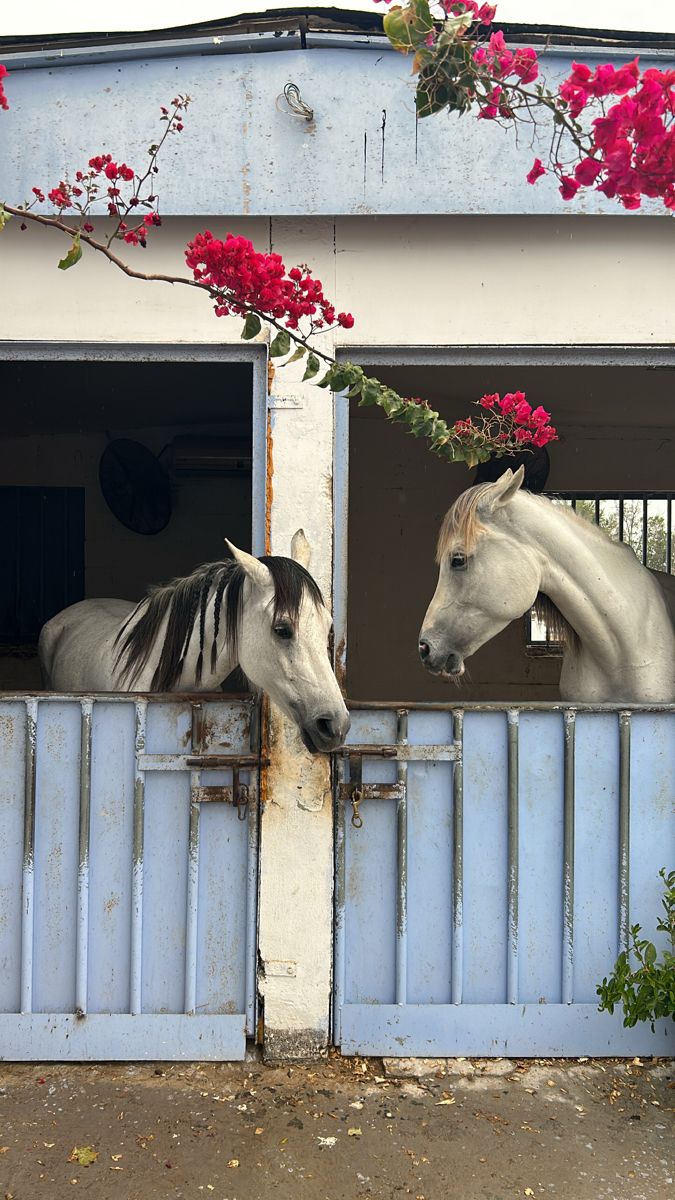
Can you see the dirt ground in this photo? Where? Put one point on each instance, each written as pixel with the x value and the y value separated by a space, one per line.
pixel 339 1129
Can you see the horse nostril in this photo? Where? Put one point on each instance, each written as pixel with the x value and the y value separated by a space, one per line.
pixel 425 650
pixel 324 726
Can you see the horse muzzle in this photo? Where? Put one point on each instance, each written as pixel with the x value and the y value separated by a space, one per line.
pixel 325 734
pixel 440 662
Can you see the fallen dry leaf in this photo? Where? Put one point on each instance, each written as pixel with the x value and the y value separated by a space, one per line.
pixel 355 1131
pixel 449 1100
pixel 84 1155
pixel 116 1157
pixel 550 1082
pixel 259 1130
pixel 234 1162
pixel 528 1192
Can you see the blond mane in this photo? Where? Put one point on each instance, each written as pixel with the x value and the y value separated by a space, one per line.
pixel 461 523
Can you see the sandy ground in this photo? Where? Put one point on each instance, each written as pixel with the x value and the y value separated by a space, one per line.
pixel 586 1130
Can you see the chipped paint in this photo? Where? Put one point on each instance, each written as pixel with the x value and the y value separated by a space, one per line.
pixel 269 490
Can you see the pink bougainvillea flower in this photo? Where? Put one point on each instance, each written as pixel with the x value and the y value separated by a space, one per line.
pixel 586 172
pixel 536 171
pixel 568 187
pixel 3 75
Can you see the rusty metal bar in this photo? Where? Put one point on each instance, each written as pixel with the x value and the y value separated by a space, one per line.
pixel 191 912
pixel 512 718
pixel 252 906
pixel 136 971
pixel 200 762
pixel 82 929
pixel 402 861
pixel 339 940
pixel 403 752
pixel 645 530
pixel 569 719
pixel 371 791
pixel 624 829
pixel 457 954
pixel 492 706
pixel 28 869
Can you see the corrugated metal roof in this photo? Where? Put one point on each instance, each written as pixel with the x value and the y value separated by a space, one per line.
pixel 520 20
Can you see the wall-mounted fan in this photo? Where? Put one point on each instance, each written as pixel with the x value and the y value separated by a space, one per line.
pixel 135 486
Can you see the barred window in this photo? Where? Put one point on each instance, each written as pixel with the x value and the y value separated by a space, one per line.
pixel 643 520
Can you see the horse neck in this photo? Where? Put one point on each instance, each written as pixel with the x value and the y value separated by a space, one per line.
pixel 599 586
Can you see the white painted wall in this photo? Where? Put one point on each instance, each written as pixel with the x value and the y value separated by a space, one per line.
pixel 409 282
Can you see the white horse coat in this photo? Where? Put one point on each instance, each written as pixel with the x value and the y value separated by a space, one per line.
pixel 267 616
pixel 500 547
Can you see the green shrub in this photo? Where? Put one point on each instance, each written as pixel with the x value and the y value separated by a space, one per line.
pixel 641 981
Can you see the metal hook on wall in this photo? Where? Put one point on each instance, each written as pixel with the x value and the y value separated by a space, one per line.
pixel 291 101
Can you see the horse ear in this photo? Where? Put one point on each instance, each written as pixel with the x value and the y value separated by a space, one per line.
pixel 256 571
pixel 503 490
pixel 300 549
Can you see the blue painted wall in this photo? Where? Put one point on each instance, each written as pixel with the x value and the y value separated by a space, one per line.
pixel 364 153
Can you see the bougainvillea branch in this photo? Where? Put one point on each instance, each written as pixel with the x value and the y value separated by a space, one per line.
pixel 612 128
pixel 242 281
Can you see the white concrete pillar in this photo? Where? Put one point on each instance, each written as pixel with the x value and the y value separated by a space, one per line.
pixel 296 844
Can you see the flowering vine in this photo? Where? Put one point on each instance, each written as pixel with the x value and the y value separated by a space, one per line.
pixel 613 129
pixel 242 281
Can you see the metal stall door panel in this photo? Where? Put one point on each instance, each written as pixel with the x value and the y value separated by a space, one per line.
pixel 596 875
pixel 651 836
pixel 485 856
pixel 429 865
pixel 477 914
pixel 370 880
pixel 134 931
pixel 111 843
pixel 57 805
pixel 541 814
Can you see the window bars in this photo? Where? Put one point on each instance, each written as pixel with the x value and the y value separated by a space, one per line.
pixel 642 520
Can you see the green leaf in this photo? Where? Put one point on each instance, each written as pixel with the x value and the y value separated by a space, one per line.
pixel 298 353
pixel 281 344
pixel 407 27
pixel 312 368
pixel 73 256
pixel 4 216
pixel 83 1155
pixel 650 954
pixel 252 326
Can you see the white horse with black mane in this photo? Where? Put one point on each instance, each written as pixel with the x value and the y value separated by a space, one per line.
pixel 502 551
pixel 265 615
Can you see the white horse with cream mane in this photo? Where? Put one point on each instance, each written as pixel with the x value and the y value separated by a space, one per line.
pixel 265 615
pixel 500 550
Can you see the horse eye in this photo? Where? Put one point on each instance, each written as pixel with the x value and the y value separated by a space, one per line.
pixel 458 562
pixel 285 632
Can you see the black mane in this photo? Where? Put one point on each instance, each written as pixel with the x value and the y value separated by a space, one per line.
pixel 186 600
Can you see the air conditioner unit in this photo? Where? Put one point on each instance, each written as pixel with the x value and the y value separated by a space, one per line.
pixel 211 456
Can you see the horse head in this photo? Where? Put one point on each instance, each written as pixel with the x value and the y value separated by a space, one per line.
pixel 487 577
pixel 283 644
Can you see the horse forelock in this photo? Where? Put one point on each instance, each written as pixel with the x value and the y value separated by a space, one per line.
pixel 184 602
pixel 461 523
